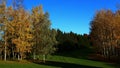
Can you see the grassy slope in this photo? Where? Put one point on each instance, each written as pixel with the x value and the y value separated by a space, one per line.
pixel 76 59
pixel 81 62
pixel 15 64
pixel 80 57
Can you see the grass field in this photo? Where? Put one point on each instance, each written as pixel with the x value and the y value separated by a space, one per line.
pixel 66 60
pixel 15 64
pixel 57 62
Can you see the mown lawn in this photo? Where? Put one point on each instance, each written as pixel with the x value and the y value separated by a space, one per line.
pixel 78 63
pixel 16 64
pixel 57 62
pixel 76 59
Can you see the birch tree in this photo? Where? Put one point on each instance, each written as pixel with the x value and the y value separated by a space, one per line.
pixel 105 32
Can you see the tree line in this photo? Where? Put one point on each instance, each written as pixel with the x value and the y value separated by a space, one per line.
pixel 29 34
pixel 24 33
pixel 105 34
pixel 71 41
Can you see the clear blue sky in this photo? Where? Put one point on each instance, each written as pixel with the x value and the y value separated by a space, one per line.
pixel 72 15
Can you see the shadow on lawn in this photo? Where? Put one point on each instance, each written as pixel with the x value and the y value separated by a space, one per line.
pixel 62 64
pixel 115 65
pixel 79 53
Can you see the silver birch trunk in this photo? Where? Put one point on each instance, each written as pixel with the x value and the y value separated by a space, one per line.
pixel 44 59
pixel 5 52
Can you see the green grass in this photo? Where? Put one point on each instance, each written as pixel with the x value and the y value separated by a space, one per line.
pixel 82 53
pixel 82 62
pixel 57 62
pixel 15 64
pixel 76 59
pixel 80 57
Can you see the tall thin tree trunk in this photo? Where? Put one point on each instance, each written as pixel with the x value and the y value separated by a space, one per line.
pixel 44 58
pixel 21 56
pixel 5 52
pixel 34 55
pixel 104 51
pixel 18 56
pixel 13 55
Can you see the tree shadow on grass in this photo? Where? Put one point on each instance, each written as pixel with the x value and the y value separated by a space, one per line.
pixel 115 65
pixel 63 65
pixel 78 53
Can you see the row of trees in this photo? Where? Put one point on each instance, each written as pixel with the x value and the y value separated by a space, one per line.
pixel 25 33
pixel 71 41
pixel 105 33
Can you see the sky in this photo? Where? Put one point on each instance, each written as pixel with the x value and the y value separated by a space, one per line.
pixel 72 15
